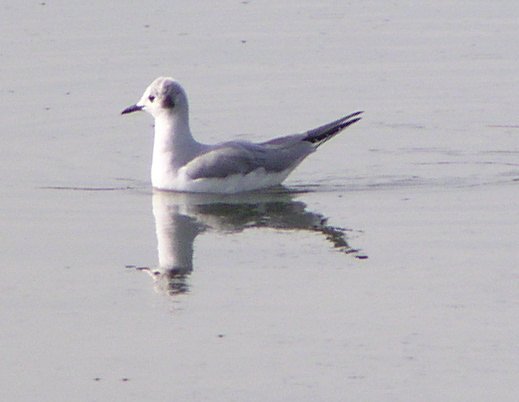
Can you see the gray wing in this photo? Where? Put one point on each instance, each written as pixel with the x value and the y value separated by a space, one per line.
pixel 244 157
pixel 277 155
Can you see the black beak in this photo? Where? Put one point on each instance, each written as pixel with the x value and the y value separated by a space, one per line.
pixel 133 108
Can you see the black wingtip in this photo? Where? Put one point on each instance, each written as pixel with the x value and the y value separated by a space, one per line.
pixel 354 114
pixel 322 134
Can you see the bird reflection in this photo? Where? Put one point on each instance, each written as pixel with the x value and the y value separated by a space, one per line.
pixel 181 217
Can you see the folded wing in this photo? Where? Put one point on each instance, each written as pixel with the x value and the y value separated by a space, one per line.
pixel 274 156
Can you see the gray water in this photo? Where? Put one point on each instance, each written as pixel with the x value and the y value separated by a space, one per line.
pixel 384 269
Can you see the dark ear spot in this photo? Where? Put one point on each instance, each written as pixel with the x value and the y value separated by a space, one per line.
pixel 168 102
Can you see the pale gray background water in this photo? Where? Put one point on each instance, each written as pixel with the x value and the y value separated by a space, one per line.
pixel 426 186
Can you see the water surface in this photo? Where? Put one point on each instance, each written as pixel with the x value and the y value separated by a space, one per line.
pixel 385 269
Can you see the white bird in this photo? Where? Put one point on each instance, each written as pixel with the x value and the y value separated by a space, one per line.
pixel 180 163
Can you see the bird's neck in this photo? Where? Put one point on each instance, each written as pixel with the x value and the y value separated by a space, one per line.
pixel 173 147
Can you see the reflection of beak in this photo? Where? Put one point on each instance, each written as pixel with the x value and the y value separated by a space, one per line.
pixel 133 108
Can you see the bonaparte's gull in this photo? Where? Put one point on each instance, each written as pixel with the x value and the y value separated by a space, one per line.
pixel 180 163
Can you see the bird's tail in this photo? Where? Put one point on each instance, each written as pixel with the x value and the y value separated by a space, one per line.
pixel 320 135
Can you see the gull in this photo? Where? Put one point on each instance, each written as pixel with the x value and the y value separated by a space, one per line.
pixel 180 163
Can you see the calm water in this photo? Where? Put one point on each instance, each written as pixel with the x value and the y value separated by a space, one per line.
pixel 385 269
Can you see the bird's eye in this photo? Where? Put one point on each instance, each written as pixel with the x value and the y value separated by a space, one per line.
pixel 151 98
